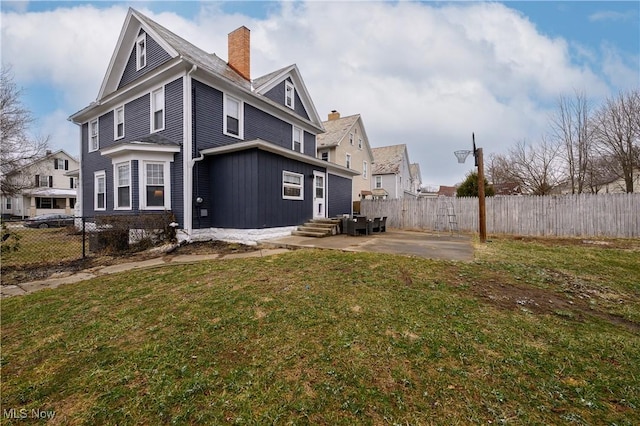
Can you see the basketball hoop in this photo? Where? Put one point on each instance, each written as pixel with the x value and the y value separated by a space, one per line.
pixel 462 155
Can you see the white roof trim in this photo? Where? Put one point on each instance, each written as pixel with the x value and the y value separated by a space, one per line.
pixel 140 147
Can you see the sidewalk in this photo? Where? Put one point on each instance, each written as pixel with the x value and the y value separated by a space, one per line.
pixel 68 278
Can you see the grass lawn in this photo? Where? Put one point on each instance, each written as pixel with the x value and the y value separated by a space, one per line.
pixel 532 332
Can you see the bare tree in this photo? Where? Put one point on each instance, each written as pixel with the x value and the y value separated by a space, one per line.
pixel 617 134
pixel 500 176
pixel 536 167
pixel 570 127
pixel 18 148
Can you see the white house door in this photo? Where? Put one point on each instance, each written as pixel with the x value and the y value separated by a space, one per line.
pixel 319 189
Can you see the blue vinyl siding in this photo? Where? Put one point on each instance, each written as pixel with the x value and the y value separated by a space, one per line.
pixel 339 195
pixel 245 190
pixel 207 117
pixel 156 56
pixel 259 124
pixel 137 124
pixel 310 144
pixel 276 94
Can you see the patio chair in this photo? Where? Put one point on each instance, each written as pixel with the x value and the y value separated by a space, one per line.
pixel 383 224
pixel 358 225
pixel 375 224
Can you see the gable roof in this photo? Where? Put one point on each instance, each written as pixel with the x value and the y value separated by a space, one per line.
pixel 336 130
pixel 174 45
pixel 388 159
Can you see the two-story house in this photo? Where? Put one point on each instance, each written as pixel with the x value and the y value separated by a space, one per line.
pixel 345 142
pixel 49 187
pixel 175 128
pixel 392 173
pixel 416 178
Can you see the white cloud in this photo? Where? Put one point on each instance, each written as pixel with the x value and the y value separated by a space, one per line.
pixel 419 73
pixel 610 15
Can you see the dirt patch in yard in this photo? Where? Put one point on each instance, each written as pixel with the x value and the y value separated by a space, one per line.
pixel 572 300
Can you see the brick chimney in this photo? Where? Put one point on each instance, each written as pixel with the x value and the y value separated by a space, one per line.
pixel 239 51
pixel 334 115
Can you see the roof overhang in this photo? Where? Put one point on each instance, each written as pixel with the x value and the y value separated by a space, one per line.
pixel 278 150
pixel 51 192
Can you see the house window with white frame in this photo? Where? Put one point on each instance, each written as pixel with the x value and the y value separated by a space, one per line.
pixel 348 161
pixel 141 52
pixel 364 169
pixel 44 181
pixel 118 122
pixel 360 143
pixel 233 123
pixel 292 186
pixel 8 203
pixel 99 188
pixel 154 185
pixel 122 184
pixel 351 138
pixel 157 110
pixel 93 135
pixel 378 182
pixel 324 155
pixel 297 139
pixel 289 95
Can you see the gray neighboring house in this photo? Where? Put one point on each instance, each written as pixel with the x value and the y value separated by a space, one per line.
pixel 392 173
pixel 175 128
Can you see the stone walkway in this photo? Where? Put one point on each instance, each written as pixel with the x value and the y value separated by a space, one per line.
pixel 68 278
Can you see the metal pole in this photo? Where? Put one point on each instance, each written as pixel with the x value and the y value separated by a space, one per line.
pixel 482 213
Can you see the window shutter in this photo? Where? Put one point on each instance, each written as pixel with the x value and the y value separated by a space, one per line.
pixel 50 181
pixel 71 183
pixel 37 180
pixel 55 163
pixel 66 164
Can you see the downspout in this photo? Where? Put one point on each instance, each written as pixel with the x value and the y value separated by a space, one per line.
pixel 188 160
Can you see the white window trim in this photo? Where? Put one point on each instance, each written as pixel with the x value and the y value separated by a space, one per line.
pixel 293 136
pixel 359 143
pixel 348 161
pixel 301 186
pixel 91 148
pixel 116 200
pixel 289 85
pixel 139 53
pixel 240 134
pixel 115 122
pixel 376 180
pixel 96 175
pixel 153 109
pixel 365 170
pixel 351 139
pixel 142 184
pixel 328 156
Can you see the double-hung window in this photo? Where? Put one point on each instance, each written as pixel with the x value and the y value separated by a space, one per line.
pixel 350 138
pixel 141 52
pixel 364 170
pixel 157 110
pixel 122 177
pixel 93 135
pixel 348 161
pixel 378 182
pixel 289 95
pixel 297 139
pixel 292 186
pixel 233 117
pixel 61 164
pixel 360 143
pixel 325 156
pixel 154 185
pixel 118 122
pixel 99 188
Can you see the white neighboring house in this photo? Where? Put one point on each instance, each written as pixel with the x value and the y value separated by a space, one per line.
pixel 392 173
pixel 52 187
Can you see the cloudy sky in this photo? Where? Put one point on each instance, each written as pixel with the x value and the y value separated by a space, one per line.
pixel 426 74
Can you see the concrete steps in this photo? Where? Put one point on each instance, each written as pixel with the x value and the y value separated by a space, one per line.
pixel 318 228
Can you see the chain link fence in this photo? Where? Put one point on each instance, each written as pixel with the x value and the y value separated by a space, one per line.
pixel 54 240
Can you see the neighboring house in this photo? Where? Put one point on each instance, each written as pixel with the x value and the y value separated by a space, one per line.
pixel 345 142
pixel 175 128
pixel 615 185
pixel 447 191
pixel 416 178
pixel 391 173
pixel 49 188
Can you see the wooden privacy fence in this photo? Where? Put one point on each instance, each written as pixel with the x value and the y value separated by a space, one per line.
pixel 584 215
